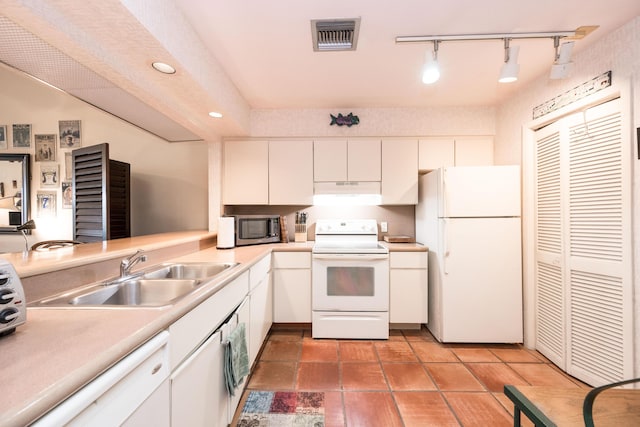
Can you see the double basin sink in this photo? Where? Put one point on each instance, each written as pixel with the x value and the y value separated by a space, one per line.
pixel 158 286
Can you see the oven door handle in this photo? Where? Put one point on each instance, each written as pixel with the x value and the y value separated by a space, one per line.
pixel 351 257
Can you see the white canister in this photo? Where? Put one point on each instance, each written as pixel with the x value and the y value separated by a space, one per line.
pixel 226 232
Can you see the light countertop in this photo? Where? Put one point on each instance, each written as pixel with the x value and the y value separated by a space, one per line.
pixel 57 351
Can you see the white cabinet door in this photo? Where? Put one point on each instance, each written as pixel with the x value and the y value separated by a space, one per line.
pixel 245 179
pixel 408 290
pixel 329 160
pixel 434 153
pixel 474 151
pixel 261 317
pixel 155 411
pixel 364 160
pixel 198 393
pixel 290 172
pixel 408 296
pixel 292 296
pixel 399 172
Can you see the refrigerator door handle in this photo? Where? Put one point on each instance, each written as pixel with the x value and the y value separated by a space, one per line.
pixel 445 247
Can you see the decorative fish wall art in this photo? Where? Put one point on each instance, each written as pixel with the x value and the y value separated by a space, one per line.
pixel 348 120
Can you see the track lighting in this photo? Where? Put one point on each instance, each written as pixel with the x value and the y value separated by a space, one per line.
pixel 562 64
pixel 509 72
pixel 431 70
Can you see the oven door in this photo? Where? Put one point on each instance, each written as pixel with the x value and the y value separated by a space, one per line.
pixel 350 282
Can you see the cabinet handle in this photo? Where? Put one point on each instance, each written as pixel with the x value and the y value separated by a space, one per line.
pixel 156 369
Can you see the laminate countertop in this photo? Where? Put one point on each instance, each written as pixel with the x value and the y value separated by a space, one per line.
pixel 59 350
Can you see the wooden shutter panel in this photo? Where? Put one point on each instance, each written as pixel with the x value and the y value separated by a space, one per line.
pixel 101 195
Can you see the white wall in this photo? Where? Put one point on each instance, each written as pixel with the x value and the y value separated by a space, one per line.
pixel 437 121
pixel 618 52
pixel 168 181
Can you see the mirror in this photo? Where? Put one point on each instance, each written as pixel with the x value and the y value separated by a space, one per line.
pixel 14 191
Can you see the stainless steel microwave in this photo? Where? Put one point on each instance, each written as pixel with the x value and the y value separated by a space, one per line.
pixel 257 229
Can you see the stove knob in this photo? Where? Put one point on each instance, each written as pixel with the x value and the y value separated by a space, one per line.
pixel 7 295
pixel 8 314
pixel 4 279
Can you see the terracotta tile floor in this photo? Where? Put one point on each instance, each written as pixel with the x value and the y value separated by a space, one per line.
pixel 409 380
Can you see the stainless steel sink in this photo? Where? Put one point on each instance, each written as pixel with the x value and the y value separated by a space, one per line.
pixel 154 287
pixel 187 270
pixel 137 292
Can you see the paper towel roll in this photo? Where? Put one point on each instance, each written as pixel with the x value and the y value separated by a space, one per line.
pixel 226 232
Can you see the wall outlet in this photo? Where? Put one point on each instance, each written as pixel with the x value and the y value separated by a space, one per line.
pixel 383 226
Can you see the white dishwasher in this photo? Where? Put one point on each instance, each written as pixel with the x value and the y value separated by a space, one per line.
pixel 138 384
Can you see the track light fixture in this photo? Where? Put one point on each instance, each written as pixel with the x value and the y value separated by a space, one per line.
pixel 431 70
pixel 509 72
pixel 561 66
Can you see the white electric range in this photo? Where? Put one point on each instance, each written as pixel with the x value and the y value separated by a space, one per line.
pixel 350 282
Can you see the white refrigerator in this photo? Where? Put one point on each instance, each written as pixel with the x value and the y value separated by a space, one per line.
pixel 469 218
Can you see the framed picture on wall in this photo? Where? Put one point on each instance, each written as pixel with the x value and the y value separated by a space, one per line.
pixel 49 175
pixel 68 165
pixel 46 203
pixel 3 137
pixel 21 136
pixel 70 136
pixel 45 147
pixel 67 195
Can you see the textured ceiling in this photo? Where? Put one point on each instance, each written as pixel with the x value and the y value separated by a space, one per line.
pixel 235 56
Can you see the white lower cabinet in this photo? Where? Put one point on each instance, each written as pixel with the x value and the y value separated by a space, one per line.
pixel 198 393
pixel 261 305
pixel 134 386
pixel 408 298
pixel 292 287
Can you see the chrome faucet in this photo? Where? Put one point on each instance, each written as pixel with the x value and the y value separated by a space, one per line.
pixel 127 263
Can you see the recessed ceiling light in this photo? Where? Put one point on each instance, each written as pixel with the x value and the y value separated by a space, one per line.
pixel 163 68
pixel 215 114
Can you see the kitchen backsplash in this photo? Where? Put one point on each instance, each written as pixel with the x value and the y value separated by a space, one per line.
pixel 400 219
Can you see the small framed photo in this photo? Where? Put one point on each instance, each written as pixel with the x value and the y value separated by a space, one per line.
pixel 3 137
pixel 46 203
pixel 70 136
pixel 45 147
pixel 49 175
pixel 21 136
pixel 67 195
pixel 68 167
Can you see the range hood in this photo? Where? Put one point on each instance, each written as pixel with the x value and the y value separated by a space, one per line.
pixel 347 193
pixel 346 187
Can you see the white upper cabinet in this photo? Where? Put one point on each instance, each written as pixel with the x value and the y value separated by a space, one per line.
pixel 341 160
pixel 330 160
pixel 245 179
pixel 290 172
pixel 399 172
pixel 474 151
pixel 437 152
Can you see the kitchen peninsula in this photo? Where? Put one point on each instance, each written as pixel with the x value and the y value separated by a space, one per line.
pixel 60 350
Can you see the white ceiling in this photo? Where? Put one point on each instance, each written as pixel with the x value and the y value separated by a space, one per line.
pixel 234 56
pixel 265 46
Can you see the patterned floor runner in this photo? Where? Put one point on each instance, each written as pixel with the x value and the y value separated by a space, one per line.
pixel 283 409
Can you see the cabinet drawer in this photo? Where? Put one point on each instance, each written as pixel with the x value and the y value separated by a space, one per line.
pixel 194 327
pixel 408 260
pixel 291 260
pixel 112 397
pixel 258 271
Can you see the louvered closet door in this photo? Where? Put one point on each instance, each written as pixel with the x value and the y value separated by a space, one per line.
pixel 583 241
pixel 599 247
pixel 550 290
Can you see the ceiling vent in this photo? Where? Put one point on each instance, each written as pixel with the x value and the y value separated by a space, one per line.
pixel 334 34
